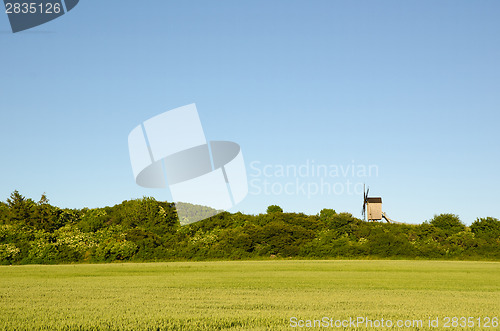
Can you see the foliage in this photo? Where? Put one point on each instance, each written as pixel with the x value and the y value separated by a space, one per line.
pixel 148 230
pixel 20 209
pixel 448 222
pixel 326 214
pixel 192 213
pixel 274 209
pixel 488 227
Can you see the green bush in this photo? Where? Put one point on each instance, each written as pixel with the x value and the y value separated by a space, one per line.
pixel 274 209
pixel 488 227
pixel 449 223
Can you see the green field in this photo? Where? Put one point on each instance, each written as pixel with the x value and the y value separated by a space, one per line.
pixel 244 295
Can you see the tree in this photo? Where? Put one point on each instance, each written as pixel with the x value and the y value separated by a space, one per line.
pixel 4 213
pixel 158 217
pixel 92 220
pixel 326 213
pixel 342 223
pixel 488 227
pixel 21 209
pixel 147 213
pixel 274 209
pixel 450 223
pixel 45 215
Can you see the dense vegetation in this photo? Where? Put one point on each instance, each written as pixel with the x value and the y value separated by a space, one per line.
pixel 148 230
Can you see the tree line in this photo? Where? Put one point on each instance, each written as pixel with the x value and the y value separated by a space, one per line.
pixel 148 230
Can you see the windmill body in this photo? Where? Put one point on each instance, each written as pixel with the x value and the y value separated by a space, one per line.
pixel 374 208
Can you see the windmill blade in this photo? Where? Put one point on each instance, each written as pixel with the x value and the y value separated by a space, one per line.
pixel 364 201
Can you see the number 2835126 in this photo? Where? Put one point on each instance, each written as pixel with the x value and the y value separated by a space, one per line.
pixel 32 8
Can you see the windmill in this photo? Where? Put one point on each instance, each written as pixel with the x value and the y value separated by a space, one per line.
pixel 372 208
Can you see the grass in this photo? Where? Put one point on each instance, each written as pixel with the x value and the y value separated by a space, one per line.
pixel 257 295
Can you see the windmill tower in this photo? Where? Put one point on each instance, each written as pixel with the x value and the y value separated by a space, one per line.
pixel 372 208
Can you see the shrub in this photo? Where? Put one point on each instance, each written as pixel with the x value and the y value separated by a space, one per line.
pixel 450 223
pixel 274 209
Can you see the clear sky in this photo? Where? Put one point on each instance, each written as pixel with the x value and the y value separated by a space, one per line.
pixel 411 88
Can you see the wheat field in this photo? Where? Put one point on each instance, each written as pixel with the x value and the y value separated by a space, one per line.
pixel 250 295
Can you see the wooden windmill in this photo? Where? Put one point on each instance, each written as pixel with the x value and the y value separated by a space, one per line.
pixel 372 208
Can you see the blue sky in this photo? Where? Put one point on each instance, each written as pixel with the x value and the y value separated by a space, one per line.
pixel 411 87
